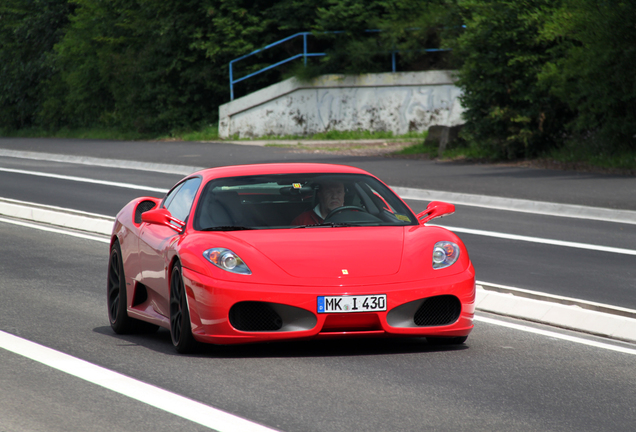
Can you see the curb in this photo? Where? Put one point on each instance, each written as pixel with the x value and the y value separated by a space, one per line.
pixel 56 216
pixel 493 202
pixel 564 312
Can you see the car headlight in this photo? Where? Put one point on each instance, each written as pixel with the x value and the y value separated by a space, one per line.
pixel 227 260
pixel 445 254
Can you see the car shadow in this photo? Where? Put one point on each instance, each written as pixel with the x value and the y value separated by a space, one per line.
pixel 346 347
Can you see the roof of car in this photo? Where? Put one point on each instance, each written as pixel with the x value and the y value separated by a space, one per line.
pixel 278 168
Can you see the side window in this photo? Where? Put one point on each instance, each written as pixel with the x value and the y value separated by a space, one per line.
pixel 179 201
pixel 171 195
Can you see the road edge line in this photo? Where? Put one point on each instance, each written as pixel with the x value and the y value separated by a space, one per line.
pixel 520 205
pixel 56 216
pixel 483 201
pixel 563 312
pixel 149 394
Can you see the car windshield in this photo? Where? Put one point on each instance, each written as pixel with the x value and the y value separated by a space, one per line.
pixel 298 201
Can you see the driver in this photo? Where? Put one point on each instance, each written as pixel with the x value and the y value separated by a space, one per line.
pixel 330 196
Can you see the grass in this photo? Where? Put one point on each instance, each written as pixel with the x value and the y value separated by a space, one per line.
pixel 575 156
pixel 82 133
pixel 334 135
pixel 419 149
pixel 431 150
pixel 209 133
pixel 582 156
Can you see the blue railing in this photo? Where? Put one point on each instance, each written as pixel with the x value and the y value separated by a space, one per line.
pixel 304 55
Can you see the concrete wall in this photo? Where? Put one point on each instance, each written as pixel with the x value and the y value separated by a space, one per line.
pixel 398 102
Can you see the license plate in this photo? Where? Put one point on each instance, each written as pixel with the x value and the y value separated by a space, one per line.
pixel 346 304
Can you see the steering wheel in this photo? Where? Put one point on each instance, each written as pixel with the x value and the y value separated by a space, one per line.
pixel 344 208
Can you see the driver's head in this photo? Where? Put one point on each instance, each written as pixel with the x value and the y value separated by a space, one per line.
pixel 330 196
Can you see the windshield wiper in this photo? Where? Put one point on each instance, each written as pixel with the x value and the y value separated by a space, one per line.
pixel 326 224
pixel 226 228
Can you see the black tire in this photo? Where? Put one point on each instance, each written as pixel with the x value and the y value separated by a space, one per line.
pixel 116 297
pixel 120 322
pixel 440 341
pixel 180 328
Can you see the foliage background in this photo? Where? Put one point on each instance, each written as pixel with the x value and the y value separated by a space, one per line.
pixel 537 75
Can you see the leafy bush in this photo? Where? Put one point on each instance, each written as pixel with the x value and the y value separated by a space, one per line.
pixel 406 26
pixel 157 66
pixel 507 110
pixel 592 70
pixel 28 32
pixel 131 64
pixel 535 73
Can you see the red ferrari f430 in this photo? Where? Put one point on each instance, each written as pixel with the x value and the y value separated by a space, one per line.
pixel 255 253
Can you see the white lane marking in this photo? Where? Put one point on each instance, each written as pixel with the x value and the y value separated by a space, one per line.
pixel 559 299
pixel 493 234
pixel 520 205
pixel 84 180
pixel 159 398
pixel 55 230
pixel 62 218
pixel 478 318
pixel 484 201
pixel 567 301
pixel 30 205
pixel 555 335
pixel 541 240
pixel 108 163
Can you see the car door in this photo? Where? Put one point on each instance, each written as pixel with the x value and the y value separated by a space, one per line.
pixel 156 241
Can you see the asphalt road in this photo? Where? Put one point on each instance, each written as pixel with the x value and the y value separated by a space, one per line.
pixel 504 378
pixel 597 190
pixel 585 274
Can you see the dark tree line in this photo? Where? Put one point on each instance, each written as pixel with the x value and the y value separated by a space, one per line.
pixel 535 73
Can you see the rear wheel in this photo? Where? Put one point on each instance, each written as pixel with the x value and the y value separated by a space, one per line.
pixel 180 329
pixel 116 297
pixel 446 340
pixel 120 322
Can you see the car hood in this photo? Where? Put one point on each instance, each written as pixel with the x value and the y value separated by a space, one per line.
pixel 331 252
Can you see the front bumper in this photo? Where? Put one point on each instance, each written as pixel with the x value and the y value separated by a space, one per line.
pixel 211 301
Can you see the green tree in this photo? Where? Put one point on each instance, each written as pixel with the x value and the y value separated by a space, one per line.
pixel 28 31
pixel 593 69
pixel 508 112
pixel 405 26
pixel 239 27
pixel 133 64
pixel 160 66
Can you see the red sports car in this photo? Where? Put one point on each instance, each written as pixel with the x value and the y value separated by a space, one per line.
pixel 269 252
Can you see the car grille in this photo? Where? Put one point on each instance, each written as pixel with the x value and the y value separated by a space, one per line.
pixel 438 311
pixel 254 316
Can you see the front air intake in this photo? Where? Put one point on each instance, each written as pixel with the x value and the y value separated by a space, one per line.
pixel 143 207
pixel 438 311
pixel 254 317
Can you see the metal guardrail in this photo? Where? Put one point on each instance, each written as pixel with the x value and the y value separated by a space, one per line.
pixel 304 55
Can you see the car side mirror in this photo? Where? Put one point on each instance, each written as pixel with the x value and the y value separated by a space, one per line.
pixel 434 210
pixel 163 217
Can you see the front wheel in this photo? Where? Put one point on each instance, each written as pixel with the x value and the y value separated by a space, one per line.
pixel 180 329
